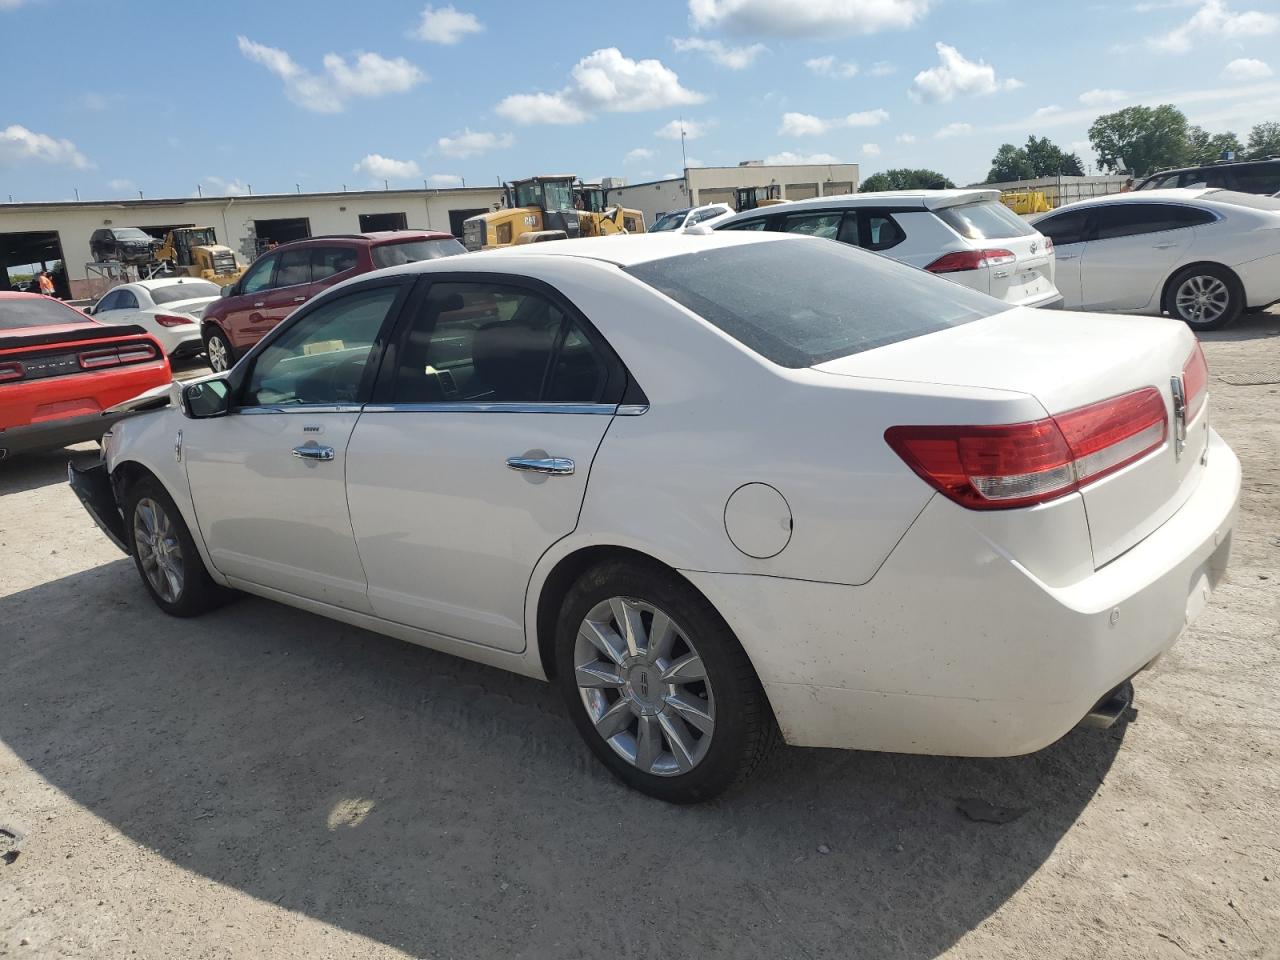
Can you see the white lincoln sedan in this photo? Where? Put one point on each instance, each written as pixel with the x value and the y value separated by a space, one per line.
pixel 716 489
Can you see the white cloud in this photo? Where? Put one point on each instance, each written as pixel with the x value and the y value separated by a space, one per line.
pixel 18 145
pixel 735 58
pixel 11 4
pixel 1096 98
pixel 807 125
pixel 694 162
pixel 905 138
pixel 387 168
pixel 1043 112
pixel 829 66
pixel 370 75
pixel 446 25
pixel 470 143
pixel 122 185
pixel 806 18
pixel 445 180
pixel 955 76
pixel 1246 69
pixel 882 68
pixel 639 153
pixel 228 188
pixel 603 81
pixel 1215 19
pixel 954 130
pixel 871 149
pixel 693 130
pixel 787 157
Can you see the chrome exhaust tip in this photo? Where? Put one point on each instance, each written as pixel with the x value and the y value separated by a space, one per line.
pixel 1107 711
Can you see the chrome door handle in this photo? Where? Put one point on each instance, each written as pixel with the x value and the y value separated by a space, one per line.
pixel 299 299
pixel 260 303
pixel 1069 256
pixel 1165 246
pixel 555 466
pixel 313 453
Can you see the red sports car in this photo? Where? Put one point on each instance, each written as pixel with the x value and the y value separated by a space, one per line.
pixel 59 370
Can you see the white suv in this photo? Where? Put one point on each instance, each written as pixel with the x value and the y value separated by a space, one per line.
pixel 678 221
pixel 966 235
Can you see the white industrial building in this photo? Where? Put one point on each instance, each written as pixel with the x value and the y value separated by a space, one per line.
pixel 53 233
pixel 701 185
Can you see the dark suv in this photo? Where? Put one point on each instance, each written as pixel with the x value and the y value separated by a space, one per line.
pixel 282 279
pixel 1242 176
pixel 126 244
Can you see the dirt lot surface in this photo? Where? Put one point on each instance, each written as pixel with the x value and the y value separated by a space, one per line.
pixel 264 783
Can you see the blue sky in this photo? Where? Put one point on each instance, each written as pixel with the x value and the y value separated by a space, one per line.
pixel 109 99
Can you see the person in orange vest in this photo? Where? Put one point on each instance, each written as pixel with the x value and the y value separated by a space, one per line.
pixel 46 283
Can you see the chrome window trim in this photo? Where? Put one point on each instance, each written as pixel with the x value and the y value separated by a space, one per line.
pixel 307 408
pixel 590 409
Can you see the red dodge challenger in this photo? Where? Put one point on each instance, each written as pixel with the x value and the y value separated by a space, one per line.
pixel 59 370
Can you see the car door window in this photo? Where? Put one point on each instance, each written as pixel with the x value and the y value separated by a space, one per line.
pixel 825 225
pixel 321 358
pixel 701 215
pixel 294 269
pixel 1065 228
pixel 125 300
pixel 108 302
pixel 259 276
pixel 1135 219
pixel 880 231
pixel 330 261
pixel 495 343
pixel 747 225
pixel 1264 178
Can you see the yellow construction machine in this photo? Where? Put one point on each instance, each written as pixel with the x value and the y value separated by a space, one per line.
pixel 195 251
pixel 748 198
pixel 544 208
pixel 599 220
pixel 1026 202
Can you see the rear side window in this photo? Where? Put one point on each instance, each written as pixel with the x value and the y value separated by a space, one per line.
pixel 411 251
pixel 881 231
pixel 825 225
pixel 1118 220
pixel 22 312
pixel 1263 178
pixel 799 303
pixel 1066 227
pixel 984 220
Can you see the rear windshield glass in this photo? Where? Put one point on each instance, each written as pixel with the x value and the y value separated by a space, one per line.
pixel 985 220
pixel 36 312
pixel 185 290
pixel 802 301
pixel 411 251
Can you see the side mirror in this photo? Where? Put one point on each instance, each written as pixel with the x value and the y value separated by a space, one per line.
pixel 205 399
pixel 229 290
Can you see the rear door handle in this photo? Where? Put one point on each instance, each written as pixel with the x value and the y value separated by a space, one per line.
pixel 260 303
pixel 554 466
pixel 313 453
pixel 1165 246
pixel 1068 256
pixel 299 299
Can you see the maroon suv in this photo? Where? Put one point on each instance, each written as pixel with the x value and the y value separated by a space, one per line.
pixel 284 278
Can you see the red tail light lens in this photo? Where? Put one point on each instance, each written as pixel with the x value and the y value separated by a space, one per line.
pixel 11 371
pixel 129 353
pixel 1020 464
pixel 1195 382
pixel 963 260
pixel 97 359
pixel 168 320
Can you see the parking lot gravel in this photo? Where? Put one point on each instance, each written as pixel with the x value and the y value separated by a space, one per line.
pixel 261 782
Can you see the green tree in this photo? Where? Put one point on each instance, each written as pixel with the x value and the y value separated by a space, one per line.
pixel 1140 139
pixel 1264 140
pixel 905 179
pixel 1009 163
pixel 1041 157
pixel 1204 147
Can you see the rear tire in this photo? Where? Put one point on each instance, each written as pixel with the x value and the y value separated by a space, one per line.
pixel 165 554
pixel 1204 297
pixel 218 349
pixel 675 710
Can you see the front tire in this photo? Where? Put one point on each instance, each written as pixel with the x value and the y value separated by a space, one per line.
pixel 1205 297
pixel 165 554
pixel 657 684
pixel 219 351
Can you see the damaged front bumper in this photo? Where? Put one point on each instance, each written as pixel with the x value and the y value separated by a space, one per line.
pixel 93 486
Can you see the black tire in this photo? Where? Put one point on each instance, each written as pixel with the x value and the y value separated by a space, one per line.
pixel 744 728
pixel 216 347
pixel 1208 275
pixel 197 593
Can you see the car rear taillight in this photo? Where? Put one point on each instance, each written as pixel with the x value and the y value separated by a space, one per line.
pixel 1048 244
pixel 962 260
pixel 11 371
pixel 169 320
pixel 130 353
pixel 1195 382
pixel 1002 466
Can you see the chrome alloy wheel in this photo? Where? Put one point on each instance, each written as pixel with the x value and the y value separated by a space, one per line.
pixel 1202 299
pixel 644 686
pixel 159 551
pixel 217 351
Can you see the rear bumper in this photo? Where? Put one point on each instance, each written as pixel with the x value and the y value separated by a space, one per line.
pixel 52 434
pixel 955 648
pixel 93 486
pixel 190 347
pixel 1052 303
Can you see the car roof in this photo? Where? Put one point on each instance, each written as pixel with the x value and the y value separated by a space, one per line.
pixel 1216 165
pixel 1173 194
pixel 918 199
pixel 373 237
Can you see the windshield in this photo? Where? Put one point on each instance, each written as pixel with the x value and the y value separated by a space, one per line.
pixel 411 251
pixel 559 195
pixel 803 301
pixel 130 233
pixel 200 238
pixel 35 311
pixel 185 290
pixel 669 221
pixel 985 220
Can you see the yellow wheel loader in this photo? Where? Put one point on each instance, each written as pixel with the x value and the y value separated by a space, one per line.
pixel 539 209
pixel 195 252
pixel 749 198
pixel 599 220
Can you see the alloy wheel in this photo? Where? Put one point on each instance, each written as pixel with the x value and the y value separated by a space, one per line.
pixel 1202 299
pixel 644 686
pixel 159 551
pixel 217 351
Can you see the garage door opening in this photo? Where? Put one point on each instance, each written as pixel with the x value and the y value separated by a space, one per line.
pixel 458 217
pixel 24 255
pixel 373 222
pixel 272 232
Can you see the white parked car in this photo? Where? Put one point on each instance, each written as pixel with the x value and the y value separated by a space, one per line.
pixel 679 221
pixel 1202 256
pixel 169 309
pixel 702 484
pixel 968 236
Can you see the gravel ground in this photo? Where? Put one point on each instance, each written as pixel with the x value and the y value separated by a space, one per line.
pixel 262 782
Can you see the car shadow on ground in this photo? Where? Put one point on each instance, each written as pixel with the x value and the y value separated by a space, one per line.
pixel 437 805
pixel 29 471
pixel 1249 326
